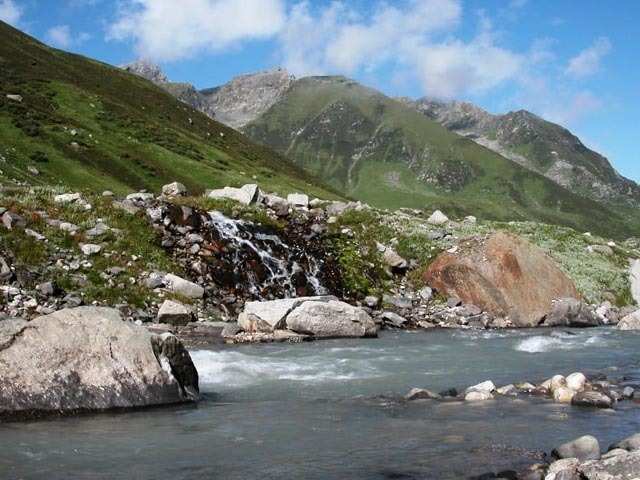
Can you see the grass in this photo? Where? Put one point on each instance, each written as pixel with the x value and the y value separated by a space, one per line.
pixel 135 248
pixel 88 125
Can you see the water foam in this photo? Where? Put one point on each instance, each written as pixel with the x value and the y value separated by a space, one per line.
pixel 557 341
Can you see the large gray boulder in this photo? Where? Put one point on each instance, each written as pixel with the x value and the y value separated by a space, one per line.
pixel 271 315
pixel 183 287
pixel 247 194
pixel 88 359
pixel 630 444
pixel 331 319
pixel 583 448
pixel 569 312
pixel 630 322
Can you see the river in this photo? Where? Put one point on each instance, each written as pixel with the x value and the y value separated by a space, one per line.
pixel 334 410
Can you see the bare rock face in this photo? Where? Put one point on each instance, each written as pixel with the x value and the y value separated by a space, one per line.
pixel 88 359
pixel 148 70
pixel 244 98
pixel 504 275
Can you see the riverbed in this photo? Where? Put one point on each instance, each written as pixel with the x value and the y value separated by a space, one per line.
pixel 334 410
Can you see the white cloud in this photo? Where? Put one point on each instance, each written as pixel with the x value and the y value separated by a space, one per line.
pixel 170 30
pixel 588 61
pixel 61 36
pixel 338 39
pixel 10 12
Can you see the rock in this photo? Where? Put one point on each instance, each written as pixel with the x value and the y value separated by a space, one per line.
pixel 421 394
pixel 298 200
pixel 371 301
pixel 107 193
pixel 33 170
pixel 474 396
pixel 426 294
pixel 331 319
pixel 438 218
pixel 231 330
pixel 555 382
pixel 397 301
pixel 155 280
pixel 630 444
pixel 127 206
pixel 487 387
pixel 14 97
pixel 391 258
pixel 564 469
pixel 47 288
pixel 634 280
pixel 12 220
pixel 592 398
pixel 175 313
pixel 88 359
pixel 278 204
pixel 183 287
pixel 630 322
pixel 470 220
pixel 5 270
pixel 174 189
pixel 67 198
pixel 33 234
pixel 90 248
pixel 569 312
pixel 563 395
pixel 628 392
pixel 583 448
pixel 246 195
pixel 271 315
pixel 393 319
pixel 576 381
pixel 503 275
pixel 507 390
pixel 140 197
pixel 619 467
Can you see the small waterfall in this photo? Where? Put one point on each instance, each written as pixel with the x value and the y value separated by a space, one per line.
pixel 261 262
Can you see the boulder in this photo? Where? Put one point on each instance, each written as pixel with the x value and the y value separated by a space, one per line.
pixel 183 287
pixel 393 319
pixel 271 315
pixel 247 194
pixel 331 319
pixel 576 381
pixel 630 444
pixel 175 313
pixel 12 220
pixel 278 204
pixel 478 396
pixel 563 395
pixel 485 387
pixel 592 398
pixel 174 189
pixel 569 312
pixel 504 275
pixel 421 394
pixel 583 448
pixel 438 218
pixel 393 260
pixel 88 359
pixel 299 200
pixel 634 280
pixel 625 466
pixel 630 322
pixel 67 198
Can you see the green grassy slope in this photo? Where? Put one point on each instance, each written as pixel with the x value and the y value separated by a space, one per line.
pixel 376 149
pixel 84 124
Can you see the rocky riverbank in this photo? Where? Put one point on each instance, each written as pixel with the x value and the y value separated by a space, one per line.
pixel 194 265
pixel 582 459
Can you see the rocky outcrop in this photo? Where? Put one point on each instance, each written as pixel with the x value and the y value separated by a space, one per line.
pixel 503 275
pixel 88 359
pixel 630 322
pixel 316 317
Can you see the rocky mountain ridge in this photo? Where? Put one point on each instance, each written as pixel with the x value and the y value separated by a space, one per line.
pixel 235 103
pixel 536 144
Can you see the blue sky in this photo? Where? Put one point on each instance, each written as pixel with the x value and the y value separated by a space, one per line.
pixel 573 62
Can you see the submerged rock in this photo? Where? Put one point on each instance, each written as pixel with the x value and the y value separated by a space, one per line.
pixel 87 359
pixel 504 275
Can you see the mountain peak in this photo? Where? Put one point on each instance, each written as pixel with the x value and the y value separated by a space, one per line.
pixel 146 69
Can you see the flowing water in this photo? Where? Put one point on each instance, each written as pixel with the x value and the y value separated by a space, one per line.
pixel 334 410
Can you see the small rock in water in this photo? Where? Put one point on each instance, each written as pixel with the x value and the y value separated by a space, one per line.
pixel 592 399
pixel 630 444
pixel 421 394
pixel 474 396
pixel 486 387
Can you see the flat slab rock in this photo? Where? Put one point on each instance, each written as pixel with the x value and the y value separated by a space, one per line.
pixel 88 359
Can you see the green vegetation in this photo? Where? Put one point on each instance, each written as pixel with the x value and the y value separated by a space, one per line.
pixel 130 244
pixel 87 125
pixel 385 153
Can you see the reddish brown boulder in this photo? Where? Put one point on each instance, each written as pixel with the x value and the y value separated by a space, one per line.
pixel 503 274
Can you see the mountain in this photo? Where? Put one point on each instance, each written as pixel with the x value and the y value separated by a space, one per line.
pixel 538 145
pixel 66 119
pixel 387 153
pixel 235 103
